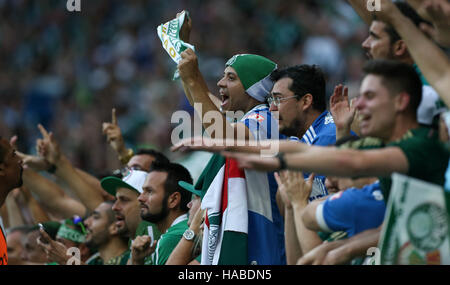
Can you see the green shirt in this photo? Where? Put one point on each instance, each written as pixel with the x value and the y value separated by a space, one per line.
pixel 118 260
pixel 426 155
pixel 168 241
pixel 143 229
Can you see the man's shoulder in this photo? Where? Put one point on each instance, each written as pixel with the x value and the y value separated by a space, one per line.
pixel 175 231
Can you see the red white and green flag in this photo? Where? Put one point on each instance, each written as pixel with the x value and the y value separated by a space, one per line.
pixel 225 236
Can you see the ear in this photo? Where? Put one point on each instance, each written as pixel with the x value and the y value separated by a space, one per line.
pixel 2 169
pixel 113 229
pixel 307 101
pixel 174 200
pixel 402 101
pixel 400 49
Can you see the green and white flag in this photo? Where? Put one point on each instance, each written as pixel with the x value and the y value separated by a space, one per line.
pixel 169 34
pixel 416 227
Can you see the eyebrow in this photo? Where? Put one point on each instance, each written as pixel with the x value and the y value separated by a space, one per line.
pixel 277 94
pixel 374 35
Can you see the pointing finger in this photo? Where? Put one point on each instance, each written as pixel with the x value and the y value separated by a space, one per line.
pixel 43 131
pixel 114 119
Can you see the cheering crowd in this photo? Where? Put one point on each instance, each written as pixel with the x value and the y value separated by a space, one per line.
pixel 320 198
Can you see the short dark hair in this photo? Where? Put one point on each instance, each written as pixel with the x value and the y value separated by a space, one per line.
pixel 110 213
pixel 175 173
pixel 305 79
pixel 408 12
pixel 159 157
pixel 3 151
pixel 398 77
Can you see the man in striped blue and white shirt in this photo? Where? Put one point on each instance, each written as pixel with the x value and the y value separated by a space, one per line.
pixel 300 99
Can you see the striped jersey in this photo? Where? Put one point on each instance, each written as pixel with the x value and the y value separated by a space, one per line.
pixel 322 132
pixel 265 224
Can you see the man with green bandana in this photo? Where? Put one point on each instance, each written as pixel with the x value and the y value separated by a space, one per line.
pixel 72 234
pixel 258 236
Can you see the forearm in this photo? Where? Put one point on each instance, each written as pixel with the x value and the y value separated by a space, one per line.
pixel 358 244
pixel 51 195
pixel 360 6
pixel 431 60
pixel 293 248
pixel 39 215
pixel 202 104
pixel 330 161
pixel 14 214
pixel 89 196
pixel 307 239
pixel 93 182
pixel 284 146
pixel 188 93
pixel 325 160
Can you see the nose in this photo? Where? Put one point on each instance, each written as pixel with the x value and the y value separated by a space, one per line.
pixel 366 44
pixel 273 107
pixel 189 205
pixel 141 198
pixel 87 222
pixel 115 206
pixel 221 83
pixel 359 102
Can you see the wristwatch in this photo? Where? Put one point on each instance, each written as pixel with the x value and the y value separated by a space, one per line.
pixel 189 234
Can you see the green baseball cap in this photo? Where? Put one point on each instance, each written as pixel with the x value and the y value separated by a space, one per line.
pixel 190 187
pixel 133 180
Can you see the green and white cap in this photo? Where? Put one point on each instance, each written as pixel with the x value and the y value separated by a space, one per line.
pixel 134 180
pixel 254 72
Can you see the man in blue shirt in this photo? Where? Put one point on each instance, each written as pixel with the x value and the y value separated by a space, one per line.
pixel 300 99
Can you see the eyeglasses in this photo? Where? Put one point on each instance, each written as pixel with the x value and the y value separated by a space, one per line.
pixel 120 173
pixel 277 100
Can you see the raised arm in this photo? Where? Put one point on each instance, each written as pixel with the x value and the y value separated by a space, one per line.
pixel 298 191
pixel 49 149
pixel 182 253
pixel 360 6
pixel 51 195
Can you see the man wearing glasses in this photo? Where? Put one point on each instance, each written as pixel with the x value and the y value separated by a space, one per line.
pixel 300 99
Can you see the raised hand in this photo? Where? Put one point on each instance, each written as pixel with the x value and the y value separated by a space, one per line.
pixel 294 188
pixel 185 31
pixel 140 248
pixel 55 251
pixel 47 147
pixel 114 135
pixel 188 66
pixel 343 113
pixel 36 163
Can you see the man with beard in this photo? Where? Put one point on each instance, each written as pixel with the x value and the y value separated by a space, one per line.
pixel 126 206
pixel 385 43
pixel 103 234
pixel 10 178
pixel 164 203
pixel 305 117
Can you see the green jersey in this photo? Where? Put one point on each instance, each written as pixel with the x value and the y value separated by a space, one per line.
pixel 426 155
pixel 143 229
pixel 118 260
pixel 168 241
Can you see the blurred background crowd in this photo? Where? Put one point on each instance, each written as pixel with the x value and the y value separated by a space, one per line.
pixel 67 70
